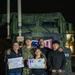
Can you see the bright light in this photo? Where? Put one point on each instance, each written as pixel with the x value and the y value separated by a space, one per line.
pixel 71 47
pixel 68 36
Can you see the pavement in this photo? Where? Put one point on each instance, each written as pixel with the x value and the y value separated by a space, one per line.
pixel 73 73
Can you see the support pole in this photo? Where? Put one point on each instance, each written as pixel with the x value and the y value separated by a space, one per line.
pixel 19 17
pixel 20 38
pixel 8 19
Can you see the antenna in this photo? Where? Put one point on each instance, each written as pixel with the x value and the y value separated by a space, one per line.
pixel 20 38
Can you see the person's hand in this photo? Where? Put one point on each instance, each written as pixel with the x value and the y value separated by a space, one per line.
pixel 7 63
pixel 23 59
pixel 8 52
pixel 27 63
pixel 60 49
pixel 44 62
pixel 59 70
pixel 53 70
pixel 45 65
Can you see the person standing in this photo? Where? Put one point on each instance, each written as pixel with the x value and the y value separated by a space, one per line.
pixel 28 53
pixel 56 60
pixel 15 52
pixel 44 50
pixel 38 55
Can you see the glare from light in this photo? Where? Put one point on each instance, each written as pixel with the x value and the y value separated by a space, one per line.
pixel 68 36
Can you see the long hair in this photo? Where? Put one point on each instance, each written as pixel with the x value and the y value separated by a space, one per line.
pixel 35 51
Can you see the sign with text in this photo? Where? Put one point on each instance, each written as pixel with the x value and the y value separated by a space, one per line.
pixel 14 63
pixel 36 63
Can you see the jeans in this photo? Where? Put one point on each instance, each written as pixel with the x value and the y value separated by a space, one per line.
pixel 15 73
pixel 57 73
pixel 35 74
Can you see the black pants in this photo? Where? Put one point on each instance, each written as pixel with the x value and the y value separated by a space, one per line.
pixel 57 73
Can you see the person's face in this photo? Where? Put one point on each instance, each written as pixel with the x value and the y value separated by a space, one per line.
pixel 28 42
pixel 8 52
pixel 15 46
pixel 41 42
pixel 37 52
pixel 55 46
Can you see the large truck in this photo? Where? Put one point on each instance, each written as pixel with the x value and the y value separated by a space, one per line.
pixel 50 26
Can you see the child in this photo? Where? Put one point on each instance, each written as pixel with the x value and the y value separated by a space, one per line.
pixel 56 60
pixel 7 53
pixel 38 55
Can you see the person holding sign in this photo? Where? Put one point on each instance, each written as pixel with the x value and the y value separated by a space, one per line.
pixel 39 55
pixel 14 64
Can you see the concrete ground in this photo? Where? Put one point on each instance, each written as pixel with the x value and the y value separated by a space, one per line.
pixel 73 73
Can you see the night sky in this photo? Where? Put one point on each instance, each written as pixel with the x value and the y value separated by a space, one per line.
pixel 66 7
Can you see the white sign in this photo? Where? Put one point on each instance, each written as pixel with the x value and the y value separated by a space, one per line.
pixel 66 54
pixel 14 63
pixel 36 63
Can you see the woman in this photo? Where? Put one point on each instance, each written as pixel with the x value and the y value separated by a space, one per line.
pixel 15 52
pixel 38 55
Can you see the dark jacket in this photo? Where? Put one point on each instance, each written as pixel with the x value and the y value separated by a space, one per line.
pixel 56 60
pixel 45 50
pixel 14 55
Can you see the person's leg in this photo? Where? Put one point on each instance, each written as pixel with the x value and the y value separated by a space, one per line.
pixel 26 71
pixel 11 73
pixel 45 73
pixel 62 73
pixel 18 73
pixel 32 74
pixel 54 73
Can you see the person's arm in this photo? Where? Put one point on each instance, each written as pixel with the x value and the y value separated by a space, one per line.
pixel 7 55
pixel 50 66
pixel 6 58
pixel 60 49
pixel 45 59
pixel 64 61
pixel 45 64
pixel 50 61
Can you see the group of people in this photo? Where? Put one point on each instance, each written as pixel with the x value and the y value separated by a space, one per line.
pixel 54 59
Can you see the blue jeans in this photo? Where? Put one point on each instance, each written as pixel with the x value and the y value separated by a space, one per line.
pixel 15 73
pixel 35 74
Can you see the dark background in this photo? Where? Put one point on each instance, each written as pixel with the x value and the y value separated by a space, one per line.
pixel 66 7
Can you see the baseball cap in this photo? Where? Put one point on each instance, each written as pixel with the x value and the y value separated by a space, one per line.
pixel 28 37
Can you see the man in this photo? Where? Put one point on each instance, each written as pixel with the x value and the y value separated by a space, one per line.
pixel 28 52
pixel 56 60
pixel 44 49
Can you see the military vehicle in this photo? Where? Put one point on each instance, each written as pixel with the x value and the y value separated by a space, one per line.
pixel 50 26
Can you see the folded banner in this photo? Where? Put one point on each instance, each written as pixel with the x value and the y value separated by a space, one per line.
pixel 14 63
pixel 48 43
pixel 36 63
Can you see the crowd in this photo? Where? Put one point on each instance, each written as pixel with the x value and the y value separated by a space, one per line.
pixel 54 59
